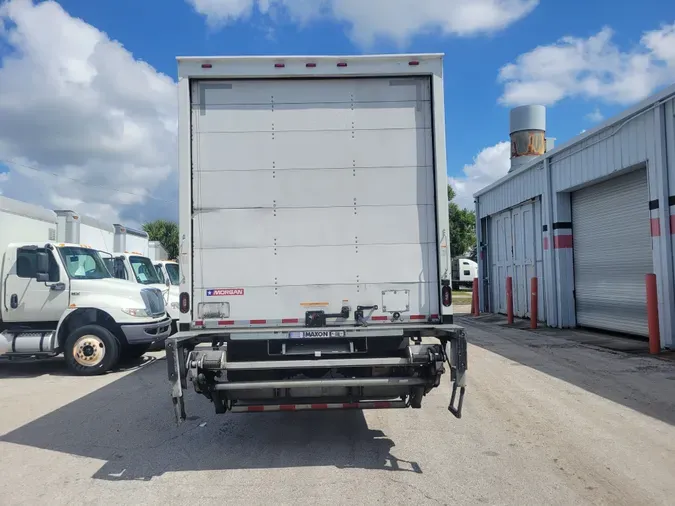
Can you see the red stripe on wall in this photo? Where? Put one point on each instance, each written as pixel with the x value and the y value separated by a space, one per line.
pixel 562 241
pixel 655 225
pixel 545 242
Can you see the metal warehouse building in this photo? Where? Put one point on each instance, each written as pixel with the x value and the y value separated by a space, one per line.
pixel 589 218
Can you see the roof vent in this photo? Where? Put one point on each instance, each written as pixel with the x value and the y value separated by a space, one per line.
pixel 528 134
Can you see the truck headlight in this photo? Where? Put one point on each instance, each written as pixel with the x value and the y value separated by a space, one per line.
pixel 132 311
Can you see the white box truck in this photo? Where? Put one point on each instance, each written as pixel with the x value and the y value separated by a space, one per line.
pixel 60 298
pixel 130 261
pixel 314 246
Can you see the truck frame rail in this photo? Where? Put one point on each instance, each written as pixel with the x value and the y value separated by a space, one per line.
pixel 324 379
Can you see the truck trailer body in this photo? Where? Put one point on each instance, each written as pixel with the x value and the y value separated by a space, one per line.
pixel 77 228
pixel 314 246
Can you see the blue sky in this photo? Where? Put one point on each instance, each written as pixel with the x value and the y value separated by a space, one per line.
pixel 593 75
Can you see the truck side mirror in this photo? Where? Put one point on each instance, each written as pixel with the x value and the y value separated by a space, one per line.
pixel 42 267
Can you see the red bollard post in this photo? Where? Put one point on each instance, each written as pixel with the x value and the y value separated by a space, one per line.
pixel 534 302
pixel 509 300
pixel 653 314
pixel 475 306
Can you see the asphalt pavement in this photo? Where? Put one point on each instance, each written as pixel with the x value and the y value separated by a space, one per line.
pixel 546 421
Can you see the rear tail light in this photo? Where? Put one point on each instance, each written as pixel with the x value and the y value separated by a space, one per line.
pixel 342 64
pixel 446 293
pixel 207 66
pixel 279 65
pixel 184 302
pixel 310 65
pixel 413 63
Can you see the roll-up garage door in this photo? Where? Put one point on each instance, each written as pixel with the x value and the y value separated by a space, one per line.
pixel 612 253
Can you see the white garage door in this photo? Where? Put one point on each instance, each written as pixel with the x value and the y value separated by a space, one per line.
pixel 612 253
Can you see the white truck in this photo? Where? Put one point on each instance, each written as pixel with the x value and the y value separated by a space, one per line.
pixel 314 246
pixel 60 298
pixel 168 270
pixel 464 271
pixel 129 261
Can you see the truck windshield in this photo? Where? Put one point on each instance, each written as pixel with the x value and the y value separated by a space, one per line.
pixel 83 263
pixel 144 271
pixel 173 272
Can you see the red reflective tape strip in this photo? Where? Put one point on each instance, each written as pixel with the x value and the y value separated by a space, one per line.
pixel 223 323
pixel 319 406
pixel 417 317
pixel 434 317
pixel 380 318
pixel 256 408
pixel 350 405
pixel 655 226
pixel 290 320
pixel 562 241
pixel 199 323
pixel 382 404
pixel 287 407
pixel 545 242
pixel 258 322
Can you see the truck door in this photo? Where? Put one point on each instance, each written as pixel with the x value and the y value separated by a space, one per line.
pixel 28 300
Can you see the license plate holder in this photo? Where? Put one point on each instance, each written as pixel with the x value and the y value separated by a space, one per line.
pixel 316 334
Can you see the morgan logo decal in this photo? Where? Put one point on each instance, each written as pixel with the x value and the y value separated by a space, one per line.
pixel 224 292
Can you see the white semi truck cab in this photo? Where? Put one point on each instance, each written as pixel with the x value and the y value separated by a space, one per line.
pixel 314 235
pixel 133 266
pixel 60 298
pixel 168 271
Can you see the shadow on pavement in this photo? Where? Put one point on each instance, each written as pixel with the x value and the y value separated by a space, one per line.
pixel 614 368
pixel 129 424
pixel 56 366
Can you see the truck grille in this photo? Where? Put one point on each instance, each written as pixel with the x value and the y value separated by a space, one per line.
pixel 154 302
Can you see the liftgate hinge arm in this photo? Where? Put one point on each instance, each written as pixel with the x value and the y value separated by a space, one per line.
pixel 458 361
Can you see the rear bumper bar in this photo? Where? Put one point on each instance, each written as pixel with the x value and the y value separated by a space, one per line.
pixel 407 378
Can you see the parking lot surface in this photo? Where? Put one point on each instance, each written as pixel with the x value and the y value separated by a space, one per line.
pixel 546 421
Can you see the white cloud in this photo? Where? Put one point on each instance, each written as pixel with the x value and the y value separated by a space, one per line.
pixel 488 166
pixel 76 104
pixel 595 116
pixel 397 20
pixel 591 68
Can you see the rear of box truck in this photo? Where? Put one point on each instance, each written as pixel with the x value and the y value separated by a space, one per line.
pixel 313 196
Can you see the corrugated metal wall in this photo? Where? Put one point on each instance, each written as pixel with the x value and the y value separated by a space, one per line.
pixel 645 136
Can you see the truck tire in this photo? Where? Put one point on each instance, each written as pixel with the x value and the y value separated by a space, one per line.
pixel 133 351
pixel 91 350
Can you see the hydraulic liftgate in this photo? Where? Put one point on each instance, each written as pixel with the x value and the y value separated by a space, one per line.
pixel 390 381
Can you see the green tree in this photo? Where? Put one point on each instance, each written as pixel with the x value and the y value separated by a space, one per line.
pixel 166 232
pixel 462 227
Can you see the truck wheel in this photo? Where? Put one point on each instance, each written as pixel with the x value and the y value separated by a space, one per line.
pixel 91 350
pixel 132 351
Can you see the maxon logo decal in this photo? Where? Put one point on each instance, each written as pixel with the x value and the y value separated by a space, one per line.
pixel 224 292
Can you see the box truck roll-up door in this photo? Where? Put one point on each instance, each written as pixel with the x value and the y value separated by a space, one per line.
pixel 314 193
